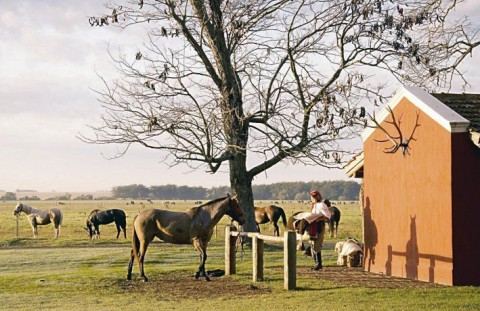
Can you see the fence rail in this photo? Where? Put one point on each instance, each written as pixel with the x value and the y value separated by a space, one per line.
pixel 258 240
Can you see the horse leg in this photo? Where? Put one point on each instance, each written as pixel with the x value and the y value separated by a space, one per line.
pixel 35 231
pixel 130 265
pixel 202 249
pixel 141 257
pixel 276 231
pixel 31 219
pixel 124 228
pixel 97 232
pixel 118 229
pixel 300 246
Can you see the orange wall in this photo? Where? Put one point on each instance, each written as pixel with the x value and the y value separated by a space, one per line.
pixel 407 208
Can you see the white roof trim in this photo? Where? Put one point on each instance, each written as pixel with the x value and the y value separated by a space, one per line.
pixel 354 165
pixel 438 111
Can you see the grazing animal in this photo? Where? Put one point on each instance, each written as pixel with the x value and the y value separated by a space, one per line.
pixel 194 226
pixel 350 253
pixel 272 214
pixel 98 217
pixel 334 219
pixel 38 217
pixel 301 229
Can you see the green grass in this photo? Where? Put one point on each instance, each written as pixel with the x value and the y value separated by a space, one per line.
pixel 75 273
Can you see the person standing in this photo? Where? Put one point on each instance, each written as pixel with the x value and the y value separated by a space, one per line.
pixel 317 228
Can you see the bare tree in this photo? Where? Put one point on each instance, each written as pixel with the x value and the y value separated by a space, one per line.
pixel 272 80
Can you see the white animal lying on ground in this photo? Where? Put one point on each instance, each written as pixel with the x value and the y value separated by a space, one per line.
pixel 350 253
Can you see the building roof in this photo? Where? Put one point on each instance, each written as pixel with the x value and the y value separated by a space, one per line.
pixel 455 112
pixel 466 105
pixel 451 120
pixel 354 168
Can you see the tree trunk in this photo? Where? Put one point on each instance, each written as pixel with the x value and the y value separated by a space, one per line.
pixel 241 184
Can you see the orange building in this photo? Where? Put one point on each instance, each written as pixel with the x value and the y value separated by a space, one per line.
pixel 421 186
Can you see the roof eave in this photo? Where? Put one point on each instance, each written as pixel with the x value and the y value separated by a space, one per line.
pixel 438 111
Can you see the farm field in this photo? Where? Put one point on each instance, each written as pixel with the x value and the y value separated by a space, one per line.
pixel 76 273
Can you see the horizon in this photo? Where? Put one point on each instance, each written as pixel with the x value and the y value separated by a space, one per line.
pixel 33 191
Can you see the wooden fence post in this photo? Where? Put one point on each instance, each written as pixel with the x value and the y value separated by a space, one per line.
pixel 230 254
pixel 16 231
pixel 257 253
pixel 290 261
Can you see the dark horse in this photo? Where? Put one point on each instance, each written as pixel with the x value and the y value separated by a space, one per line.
pixel 270 214
pixel 194 226
pixel 334 219
pixel 98 217
pixel 301 228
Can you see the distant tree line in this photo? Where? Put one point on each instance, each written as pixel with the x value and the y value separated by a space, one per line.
pixel 8 196
pixel 11 196
pixel 334 190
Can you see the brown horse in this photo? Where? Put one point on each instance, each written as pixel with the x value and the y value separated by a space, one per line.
pixel 195 226
pixel 270 214
pixel 38 217
pixel 300 227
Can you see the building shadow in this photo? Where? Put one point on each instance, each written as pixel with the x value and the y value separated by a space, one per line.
pixel 411 251
pixel 370 236
pixel 412 257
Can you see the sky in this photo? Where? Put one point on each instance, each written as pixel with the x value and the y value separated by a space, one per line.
pixel 49 60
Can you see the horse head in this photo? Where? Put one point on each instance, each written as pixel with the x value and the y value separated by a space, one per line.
pixel 18 209
pixel 89 229
pixel 301 226
pixel 234 211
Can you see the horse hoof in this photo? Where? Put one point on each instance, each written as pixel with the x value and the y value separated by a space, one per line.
pixel 129 278
pixel 197 275
pixel 145 279
pixel 207 279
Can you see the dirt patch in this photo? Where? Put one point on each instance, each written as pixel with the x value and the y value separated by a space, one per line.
pixel 174 287
pixel 356 277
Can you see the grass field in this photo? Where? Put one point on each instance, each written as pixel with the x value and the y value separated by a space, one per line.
pixel 76 273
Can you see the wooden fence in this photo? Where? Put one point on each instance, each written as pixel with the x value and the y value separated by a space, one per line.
pixel 289 254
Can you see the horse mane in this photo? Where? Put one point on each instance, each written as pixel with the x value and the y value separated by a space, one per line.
pixel 213 201
pixel 93 212
pixel 194 210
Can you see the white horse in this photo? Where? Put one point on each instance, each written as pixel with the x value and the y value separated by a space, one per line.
pixel 350 253
pixel 38 217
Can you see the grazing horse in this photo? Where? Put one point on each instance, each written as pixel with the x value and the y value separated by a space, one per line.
pixel 350 252
pixel 98 217
pixel 300 227
pixel 334 219
pixel 194 226
pixel 270 214
pixel 38 217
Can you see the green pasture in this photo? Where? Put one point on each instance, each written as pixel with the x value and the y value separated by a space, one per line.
pixel 76 273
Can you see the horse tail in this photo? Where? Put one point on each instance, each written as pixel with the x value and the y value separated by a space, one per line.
pixel 56 216
pixel 135 242
pixel 284 218
pixel 61 218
